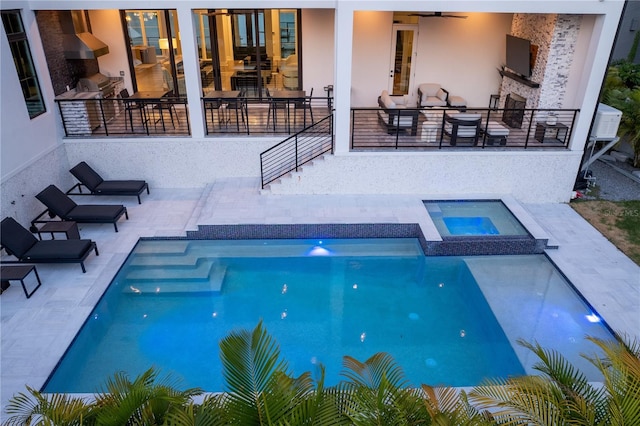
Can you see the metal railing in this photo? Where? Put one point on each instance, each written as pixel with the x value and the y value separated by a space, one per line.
pixel 425 128
pixel 296 150
pixel 125 117
pixel 252 116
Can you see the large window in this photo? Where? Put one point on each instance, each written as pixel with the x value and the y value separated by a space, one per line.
pixel 248 50
pixel 23 61
pixel 156 52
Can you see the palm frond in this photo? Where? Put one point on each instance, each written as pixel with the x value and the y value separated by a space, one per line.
pixel 260 389
pixel 55 409
pixel 145 400
pixel 621 370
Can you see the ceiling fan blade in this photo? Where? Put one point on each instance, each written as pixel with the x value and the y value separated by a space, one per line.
pixel 437 15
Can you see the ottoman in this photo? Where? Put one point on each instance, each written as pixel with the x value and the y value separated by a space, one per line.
pixel 496 132
pixel 457 102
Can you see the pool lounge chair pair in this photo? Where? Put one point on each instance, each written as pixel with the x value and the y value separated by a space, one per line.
pixel 91 180
pixel 59 204
pixel 19 242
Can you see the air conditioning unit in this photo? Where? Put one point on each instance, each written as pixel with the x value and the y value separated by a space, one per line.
pixel 606 123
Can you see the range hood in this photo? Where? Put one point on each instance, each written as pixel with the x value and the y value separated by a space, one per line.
pixel 79 44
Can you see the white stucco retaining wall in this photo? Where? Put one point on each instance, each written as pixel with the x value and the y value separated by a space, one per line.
pixel 172 163
pixel 530 177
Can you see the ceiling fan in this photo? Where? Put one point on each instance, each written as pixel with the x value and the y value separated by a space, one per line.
pixel 437 15
pixel 217 13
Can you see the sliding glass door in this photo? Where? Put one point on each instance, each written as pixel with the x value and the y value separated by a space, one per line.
pixel 156 52
pixel 248 50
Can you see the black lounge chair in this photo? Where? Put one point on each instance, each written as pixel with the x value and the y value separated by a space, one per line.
pixel 91 180
pixel 59 204
pixel 19 242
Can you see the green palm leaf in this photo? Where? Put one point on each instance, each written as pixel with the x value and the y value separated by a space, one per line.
pixel 260 389
pixel 143 401
pixel 621 370
pixel 376 392
pixel 53 409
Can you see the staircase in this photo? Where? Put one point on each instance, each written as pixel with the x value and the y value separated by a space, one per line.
pixel 176 269
pixel 299 149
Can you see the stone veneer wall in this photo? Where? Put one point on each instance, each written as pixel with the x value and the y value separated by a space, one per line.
pixel 64 72
pixel 556 37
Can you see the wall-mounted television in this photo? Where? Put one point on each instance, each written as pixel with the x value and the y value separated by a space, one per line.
pixel 521 55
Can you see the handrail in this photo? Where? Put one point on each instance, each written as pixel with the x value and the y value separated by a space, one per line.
pixel 109 117
pixel 426 128
pixel 296 150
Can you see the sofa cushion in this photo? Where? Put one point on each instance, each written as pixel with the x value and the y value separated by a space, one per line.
pixel 386 100
pixel 465 116
pixel 441 94
pixel 429 89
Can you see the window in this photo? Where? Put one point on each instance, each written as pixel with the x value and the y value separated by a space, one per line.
pixel 249 50
pixel 156 51
pixel 23 61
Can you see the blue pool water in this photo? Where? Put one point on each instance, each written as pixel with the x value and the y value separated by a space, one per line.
pixel 445 320
pixel 470 226
pixel 474 217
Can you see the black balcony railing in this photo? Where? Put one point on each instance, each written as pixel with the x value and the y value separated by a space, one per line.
pixel 250 116
pixel 125 117
pixel 424 128
pixel 288 155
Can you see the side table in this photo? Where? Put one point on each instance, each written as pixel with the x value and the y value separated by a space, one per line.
pixel 19 273
pixel 69 228
pixel 560 135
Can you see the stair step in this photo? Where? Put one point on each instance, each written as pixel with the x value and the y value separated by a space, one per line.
pixel 200 271
pixel 212 285
pixel 168 247
pixel 164 260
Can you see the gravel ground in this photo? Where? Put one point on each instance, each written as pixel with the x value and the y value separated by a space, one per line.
pixel 611 182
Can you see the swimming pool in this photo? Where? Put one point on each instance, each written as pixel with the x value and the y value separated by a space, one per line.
pixel 173 300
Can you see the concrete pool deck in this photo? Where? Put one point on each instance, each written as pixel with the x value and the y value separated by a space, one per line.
pixel 36 332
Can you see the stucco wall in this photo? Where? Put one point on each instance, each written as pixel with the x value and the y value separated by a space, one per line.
pixel 530 177
pixel 17 192
pixel 169 163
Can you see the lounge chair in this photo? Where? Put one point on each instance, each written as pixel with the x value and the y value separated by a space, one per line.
pixel 19 242
pixel 91 180
pixel 59 204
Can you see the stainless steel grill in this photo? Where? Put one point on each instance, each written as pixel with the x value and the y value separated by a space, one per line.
pixel 104 86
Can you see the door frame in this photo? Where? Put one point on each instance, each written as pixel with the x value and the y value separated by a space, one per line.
pixel 392 56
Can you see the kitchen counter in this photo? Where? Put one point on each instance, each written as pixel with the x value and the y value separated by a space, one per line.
pixel 80 117
pixel 72 94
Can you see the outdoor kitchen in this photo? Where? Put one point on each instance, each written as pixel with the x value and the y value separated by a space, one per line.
pixel 72 51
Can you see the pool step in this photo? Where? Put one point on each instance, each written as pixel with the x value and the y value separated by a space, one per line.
pixel 166 272
pixel 167 247
pixel 164 260
pixel 211 284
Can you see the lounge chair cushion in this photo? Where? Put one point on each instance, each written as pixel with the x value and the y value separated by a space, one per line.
pixel 86 175
pixel 115 187
pixel 94 213
pixel 15 238
pixel 97 185
pixel 52 250
pixel 56 201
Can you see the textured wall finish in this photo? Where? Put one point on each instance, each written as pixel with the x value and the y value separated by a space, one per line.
pixel 559 60
pixel 17 193
pixel 555 37
pixel 194 164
